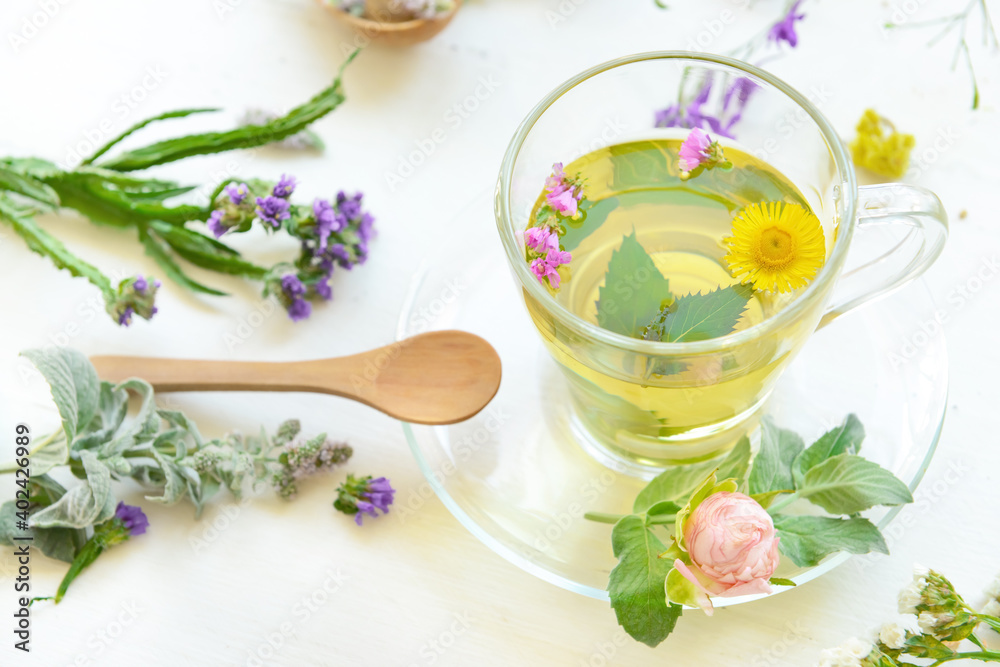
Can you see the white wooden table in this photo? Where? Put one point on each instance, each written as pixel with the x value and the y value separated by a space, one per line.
pixel 281 583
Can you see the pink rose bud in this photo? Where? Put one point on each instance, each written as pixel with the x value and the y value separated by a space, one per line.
pixel 734 551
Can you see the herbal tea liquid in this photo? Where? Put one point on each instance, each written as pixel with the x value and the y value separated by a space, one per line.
pixel 635 189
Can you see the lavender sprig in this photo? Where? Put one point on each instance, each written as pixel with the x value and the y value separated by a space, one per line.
pixel 692 110
pixel 959 23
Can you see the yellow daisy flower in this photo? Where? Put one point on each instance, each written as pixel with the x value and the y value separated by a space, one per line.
pixel 776 246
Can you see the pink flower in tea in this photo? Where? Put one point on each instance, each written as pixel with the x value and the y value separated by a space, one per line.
pixel 695 150
pixel 565 202
pixel 541 239
pixel 548 266
pixel 563 194
pixel 732 545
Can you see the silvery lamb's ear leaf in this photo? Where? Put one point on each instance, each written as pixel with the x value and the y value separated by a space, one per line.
pixel 85 505
pixel 143 426
pixel 59 543
pixel 175 485
pixel 112 407
pixel 180 420
pixel 74 384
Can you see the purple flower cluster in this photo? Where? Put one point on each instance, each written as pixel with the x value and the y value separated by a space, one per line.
pixel 293 291
pixel 332 233
pixel 273 209
pixel 235 209
pixel 691 115
pixel 363 496
pixel 135 296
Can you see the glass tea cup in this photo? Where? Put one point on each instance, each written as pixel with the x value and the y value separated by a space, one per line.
pixel 622 414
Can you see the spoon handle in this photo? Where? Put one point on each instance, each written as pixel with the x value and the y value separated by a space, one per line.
pixel 198 375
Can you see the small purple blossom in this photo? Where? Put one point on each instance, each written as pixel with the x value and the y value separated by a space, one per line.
pixel 380 493
pixel 272 210
pixel 349 206
pixel 237 193
pixel 292 286
pixel 363 496
pixel 784 30
pixel 139 284
pixel 328 221
pixel 285 187
pixel 366 228
pixel 299 310
pixel 215 223
pixel 125 318
pixel 323 289
pixel 133 518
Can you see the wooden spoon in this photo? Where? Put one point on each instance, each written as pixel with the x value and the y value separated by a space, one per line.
pixel 387 29
pixel 441 377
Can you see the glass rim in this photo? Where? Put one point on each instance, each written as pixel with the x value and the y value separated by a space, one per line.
pixel 829 271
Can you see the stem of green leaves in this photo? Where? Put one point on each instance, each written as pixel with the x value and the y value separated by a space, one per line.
pixel 984 656
pixel 655 520
pixel 783 502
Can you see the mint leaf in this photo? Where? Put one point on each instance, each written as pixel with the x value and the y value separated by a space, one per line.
pixel 633 291
pixel 772 468
pixel 737 463
pixel 677 482
pixel 809 539
pixel 847 483
pixel 73 382
pixel 636 585
pixel 845 439
pixel 701 316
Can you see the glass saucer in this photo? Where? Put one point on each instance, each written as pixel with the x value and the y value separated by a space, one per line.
pixel 518 480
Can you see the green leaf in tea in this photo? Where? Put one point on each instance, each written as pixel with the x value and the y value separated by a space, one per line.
pixel 699 316
pixel 636 586
pixel 634 290
pixel 809 539
pixel 844 439
pixel 846 484
pixel 772 468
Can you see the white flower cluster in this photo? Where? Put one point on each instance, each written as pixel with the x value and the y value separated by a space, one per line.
pixel 848 654
pixel 912 595
pixel 893 635
pixel 992 607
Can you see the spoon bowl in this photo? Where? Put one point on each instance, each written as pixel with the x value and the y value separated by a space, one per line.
pixel 384 30
pixel 441 377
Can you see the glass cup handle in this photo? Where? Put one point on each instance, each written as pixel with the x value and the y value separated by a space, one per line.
pixel 894 204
